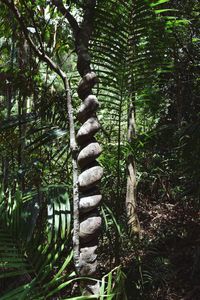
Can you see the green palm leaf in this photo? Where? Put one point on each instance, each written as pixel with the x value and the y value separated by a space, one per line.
pixel 26 254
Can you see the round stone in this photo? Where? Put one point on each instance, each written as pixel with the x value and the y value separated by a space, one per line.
pixel 87 204
pixel 88 154
pixel 90 177
pixel 89 228
pixel 87 130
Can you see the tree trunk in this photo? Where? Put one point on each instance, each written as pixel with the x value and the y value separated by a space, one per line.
pixel 133 221
pixel 23 59
pixel 5 161
pixel 90 171
pixel 131 204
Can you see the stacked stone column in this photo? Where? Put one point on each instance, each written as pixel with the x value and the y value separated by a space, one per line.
pixel 90 175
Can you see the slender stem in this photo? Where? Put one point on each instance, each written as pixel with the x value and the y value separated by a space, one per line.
pixel 31 14
pixel 74 150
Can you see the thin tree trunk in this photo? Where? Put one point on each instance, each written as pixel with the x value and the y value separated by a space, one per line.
pixel 6 163
pixel 131 204
pixel 22 109
pixel 74 150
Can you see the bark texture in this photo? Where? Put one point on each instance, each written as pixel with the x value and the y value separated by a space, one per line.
pixel 131 204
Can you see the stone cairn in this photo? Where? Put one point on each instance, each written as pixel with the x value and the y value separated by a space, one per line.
pixel 90 175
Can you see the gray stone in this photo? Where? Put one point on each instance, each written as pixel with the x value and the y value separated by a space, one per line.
pixel 89 228
pixel 90 177
pixel 88 154
pixel 88 203
pixel 88 254
pixel 87 130
pixel 87 108
pixel 88 269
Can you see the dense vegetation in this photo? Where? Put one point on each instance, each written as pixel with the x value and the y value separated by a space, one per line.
pixel 146 55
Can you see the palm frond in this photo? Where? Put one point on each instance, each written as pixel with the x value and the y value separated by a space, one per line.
pixel 26 252
pixel 126 51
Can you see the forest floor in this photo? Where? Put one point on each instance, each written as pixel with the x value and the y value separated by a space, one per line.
pixel 166 263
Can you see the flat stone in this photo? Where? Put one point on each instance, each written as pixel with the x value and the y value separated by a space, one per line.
pixel 88 154
pixel 87 130
pixel 90 177
pixel 87 108
pixel 89 228
pixel 87 204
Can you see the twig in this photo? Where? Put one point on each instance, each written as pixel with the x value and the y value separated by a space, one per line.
pixel 65 12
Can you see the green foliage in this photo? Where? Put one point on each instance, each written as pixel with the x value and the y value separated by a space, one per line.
pixel 146 54
pixel 112 285
pixel 34 238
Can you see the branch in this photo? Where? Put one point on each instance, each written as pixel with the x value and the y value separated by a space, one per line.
pixel 65 12
pixel 39 53
pixel 36 29
pixel 81 33
pixel 88 16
